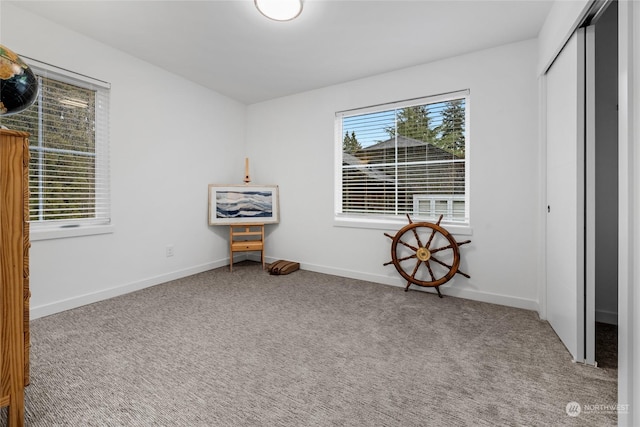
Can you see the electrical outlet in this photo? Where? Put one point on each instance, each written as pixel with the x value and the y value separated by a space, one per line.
pixel 169 250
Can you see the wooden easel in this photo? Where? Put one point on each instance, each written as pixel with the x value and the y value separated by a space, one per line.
pixel 246 238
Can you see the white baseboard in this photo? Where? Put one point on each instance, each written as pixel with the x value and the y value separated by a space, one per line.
pixel 445 290
pixel 67 304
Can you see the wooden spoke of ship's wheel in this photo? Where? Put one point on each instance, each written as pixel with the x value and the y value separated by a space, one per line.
pixel 413 248
pixel 402 259
pixel 423 254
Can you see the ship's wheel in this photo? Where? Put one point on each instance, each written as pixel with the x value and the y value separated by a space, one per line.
pixel 426 245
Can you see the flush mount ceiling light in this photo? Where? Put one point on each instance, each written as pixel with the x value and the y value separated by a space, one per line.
pixel 279 10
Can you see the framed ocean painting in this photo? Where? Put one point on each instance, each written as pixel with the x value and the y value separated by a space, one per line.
pixel 243 204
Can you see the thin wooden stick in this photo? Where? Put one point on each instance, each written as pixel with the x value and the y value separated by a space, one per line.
pixel 246 171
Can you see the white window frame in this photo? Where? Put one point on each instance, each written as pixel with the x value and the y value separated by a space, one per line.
pixel 44 230
pixel 392 222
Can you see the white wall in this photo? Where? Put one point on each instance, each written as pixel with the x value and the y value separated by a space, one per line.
pixel 169 139
pixel 291 141
pixel 561 22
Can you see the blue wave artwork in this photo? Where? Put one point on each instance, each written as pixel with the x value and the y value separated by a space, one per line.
pixel 244 204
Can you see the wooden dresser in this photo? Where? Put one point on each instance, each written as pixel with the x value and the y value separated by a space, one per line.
pixel 14 272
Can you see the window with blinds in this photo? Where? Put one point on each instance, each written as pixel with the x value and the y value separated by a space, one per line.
pixel 69 164
pixel 408 157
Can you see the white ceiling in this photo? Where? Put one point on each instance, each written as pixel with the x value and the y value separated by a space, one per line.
pixel 230 47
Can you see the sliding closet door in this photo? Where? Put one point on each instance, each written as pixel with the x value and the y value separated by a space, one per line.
pixel 565 237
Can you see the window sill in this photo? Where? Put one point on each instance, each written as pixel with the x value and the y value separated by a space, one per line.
pixel 394 225
pixel 62 232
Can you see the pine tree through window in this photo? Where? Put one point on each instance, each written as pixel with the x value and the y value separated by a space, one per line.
pixel 68 168
pixel 407 157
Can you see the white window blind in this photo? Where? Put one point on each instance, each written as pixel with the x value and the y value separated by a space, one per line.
pixel 69 158
pixel 406 157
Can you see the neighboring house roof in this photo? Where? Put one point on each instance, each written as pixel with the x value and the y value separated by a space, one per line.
pixel 406 142
pixel 350 159
pixel 372 173
pixel 403 142
pixel 361 162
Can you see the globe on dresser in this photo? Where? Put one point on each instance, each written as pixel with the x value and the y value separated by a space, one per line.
pixel 18 84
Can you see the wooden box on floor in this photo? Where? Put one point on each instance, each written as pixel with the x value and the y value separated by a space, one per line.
pixel 14 273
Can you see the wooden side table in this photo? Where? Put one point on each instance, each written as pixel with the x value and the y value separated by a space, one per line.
pixel 246 238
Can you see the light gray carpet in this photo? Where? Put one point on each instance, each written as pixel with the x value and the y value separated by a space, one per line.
pixel 307 349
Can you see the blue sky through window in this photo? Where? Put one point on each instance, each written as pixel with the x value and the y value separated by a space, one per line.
pixel 371 128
